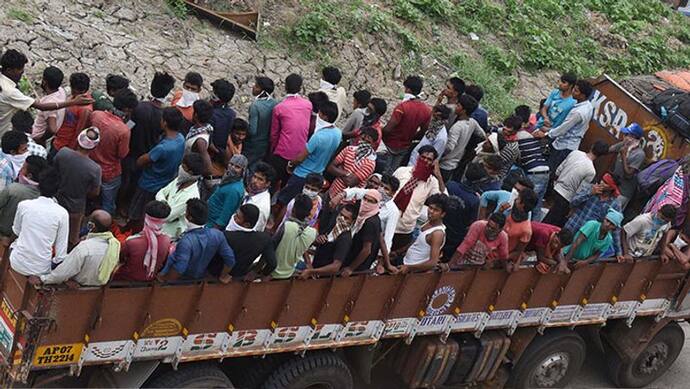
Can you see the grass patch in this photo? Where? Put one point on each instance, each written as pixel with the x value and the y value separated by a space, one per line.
pixel 178 8
pixel 21 15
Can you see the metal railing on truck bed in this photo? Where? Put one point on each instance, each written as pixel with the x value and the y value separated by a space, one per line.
pixel 116 324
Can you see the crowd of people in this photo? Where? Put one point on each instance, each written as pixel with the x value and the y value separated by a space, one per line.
pixel 107 185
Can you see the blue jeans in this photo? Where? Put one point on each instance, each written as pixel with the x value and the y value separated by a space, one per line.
pixel 109 194
pixel 541 183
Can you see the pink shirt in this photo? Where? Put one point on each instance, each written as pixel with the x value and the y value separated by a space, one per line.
pixel 477 249
pixel 290 126
pixel 41 122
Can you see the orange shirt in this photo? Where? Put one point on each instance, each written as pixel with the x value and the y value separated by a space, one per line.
pixel 187 112
pixel 518 232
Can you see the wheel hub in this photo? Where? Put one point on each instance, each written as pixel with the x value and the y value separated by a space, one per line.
pixel 551 370
pixel 653 358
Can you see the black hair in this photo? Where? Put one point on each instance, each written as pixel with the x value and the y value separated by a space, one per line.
pixel 331 75
pixel 565 236
pixel 494 161
pixel 444 110
pixel 49 182
pixel 195 163
pixel 380 105
pixel 115 82
pixel 541 103
pixel 414 84
pixel 511 179
pixel 668 211
pixel 438 199
pixel 267 170
pixel 224 89
pixel 330 110
pixel 362 97
pixel 250 212
pixel 391 180
pixel 524 181
pixel 370 132
pixel 498 218
pixel 314 179
pixel 585 87
pixel 239 124
pixel 475 91
pixel 293 83
pixel 529 198
pixel 13 59
pixel 162 84
pixel 316 99
pixel 173 118
pixel 570 78
pixel 157 209
pixel 203 111
pixel 599 148
pixel 194 78
pixel 265 83
pixel 53 77
pixel 12 140
pixel 501 140
pixel 352 208
pixel 79 82
pixel 475 172
pixel 197 211
pixel 302 206
pixel 458 84
pixel 35 166
pixel 125 99
pixel 524 112
pixel 514 122
pixel 22 121
pixel 468 103
pixel 428 149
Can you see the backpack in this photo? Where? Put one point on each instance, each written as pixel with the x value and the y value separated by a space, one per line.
pixel 653 176
pixel 673 107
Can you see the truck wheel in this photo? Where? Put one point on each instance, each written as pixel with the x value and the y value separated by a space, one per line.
pixel 550 361
pixel 651 363
pixel 192 376
pixel 323 370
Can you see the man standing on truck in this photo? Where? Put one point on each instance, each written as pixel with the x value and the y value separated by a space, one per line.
pixel 248 243
pixel 425 252
pixel 559 103
pixel 593 239
pixel 629 161
pixel 641 236
pixel 25 189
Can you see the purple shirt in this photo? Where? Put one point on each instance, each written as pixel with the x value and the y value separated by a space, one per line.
pixel 290 126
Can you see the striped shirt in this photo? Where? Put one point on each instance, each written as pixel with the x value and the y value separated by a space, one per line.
pixel 509 154
pixel 362 169
pixel 531 153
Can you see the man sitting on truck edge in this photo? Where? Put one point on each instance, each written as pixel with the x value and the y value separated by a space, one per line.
pixel 548 242
pixel 25 189
pixel 593 239
pixel 641 236
pixel 250 244
pixel 485 243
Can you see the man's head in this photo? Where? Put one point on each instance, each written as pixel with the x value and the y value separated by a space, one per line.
pixel 33 167
pixel 511 126
pixel 247 215
pixel 171 120
pixel 633 132
pixel 437 206
pixel 373 182
pixel 523 183
pixel 331 75
pixel 612 220
pixel 527 200
pixel 567 82
pixel 474 173
pixel 193 163
pixel 237 164
pixel 197 212
pixel 328 111
pixel 22 121
pixel 523 112
pixel 13 63
pixel 413 85
pixel 441 112
pixel 223 89
pixel 667 213
pixel 263 177
pixel 193 82
pixel 608 186
pixel 115 83
pixel 368 135
pixel 378 106
pixel 455 87
pixel 475 91
pixel 203 111
pixel 599 148
pixel 493 165
pixel 239 130
pixel 293 84
pixel 262 85
pixel 161 85
pixel 79 83
pixel 316 99
pixel 49 182
pixel 361 99
pixel 390 184
pixel 52 79
pixel 302 207
pixel 157 209
pixel 14 143
pixel 99 221
pixel 347 213
pixel 562 238
pixel 466 106
pixel 427 154
pixel 126 101
pixel 582 90
pixel 494 225
pixel 313 184
pixel 88 139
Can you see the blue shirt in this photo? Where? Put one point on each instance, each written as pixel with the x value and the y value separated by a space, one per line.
pixel 166 158
pixel 482 117
pixel 221 120
pixel 466 194
pixel 568 134
pixel 224 202
pixel 321 148
pixel 558 108
pixel 195 250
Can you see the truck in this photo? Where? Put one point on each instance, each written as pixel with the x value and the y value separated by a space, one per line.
pixel 435 329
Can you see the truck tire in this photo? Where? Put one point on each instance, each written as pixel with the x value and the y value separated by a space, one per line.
pixel 192 376
pixel 322 369
pixel 550 361
pixel 651 363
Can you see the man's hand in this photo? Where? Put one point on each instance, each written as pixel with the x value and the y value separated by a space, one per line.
pixel 351 180
pixel 539 134
pixel 82 99
pixel 380 269
pixel 305 274
pixel 346 272
pixel 504 207
pixel 562 268
pixel 580 264
pixel 72 284
pixel 624 258
pixel 403 269
pixel 335 200
pixel 443 266
pixel 437 169
pixel 225 279
pixel 35 281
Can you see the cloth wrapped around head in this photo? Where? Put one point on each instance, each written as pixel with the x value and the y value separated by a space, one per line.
pixel 89 138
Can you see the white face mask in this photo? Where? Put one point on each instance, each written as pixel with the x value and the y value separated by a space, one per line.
pixel 188 98
pixel 409 96
pixel 310 193
pixel 320 124
pixel 233 226
pixel 513 196
pixel 190 225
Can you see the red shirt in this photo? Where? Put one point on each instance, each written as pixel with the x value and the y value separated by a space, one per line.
pixel 362 169
pixel 518 232
pixel 132 256
pixel 541 234
pixel 114 144
pixel 76 119
pixel 411 115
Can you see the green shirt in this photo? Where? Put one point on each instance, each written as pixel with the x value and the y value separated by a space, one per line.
pixel 592 243
pixel 102 101
pixel 292 246
pixel 177 201
pixel 9 199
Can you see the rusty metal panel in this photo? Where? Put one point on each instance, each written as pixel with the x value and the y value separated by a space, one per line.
pixel 578 284
pixel 614 275
pixel 516 289
pixel 640 278
pixel 263 302
pixel 334 306
pixel 212 312
pixel 72 314
pixel 372 298
pixel 547 289
pixel 485 287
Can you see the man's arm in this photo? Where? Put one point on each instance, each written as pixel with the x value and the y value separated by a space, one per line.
pixel 576 244
pixel 69 268
pixel 434 255
pixel 470 239
pixel 143 161
pixel 228 257
pixel 572 120
pixel 177 262
pixel 300 157
pixel 202 148
pixel 62 239
pixel 253 121
pixel 361 257
pixel 394 121
pixel 76 100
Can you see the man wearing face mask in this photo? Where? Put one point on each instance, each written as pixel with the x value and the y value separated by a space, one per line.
pixel 48 122
pixel 372 118
pixel 360 102
pixel 178 191
pixel 312 187
pixel 518 227
pixel 366 237
pixel 114 145
pixel 26 188
pixel 641 236
pixel 354 164
pixel 14 152
pixel 227 197
pixel 503 199
pixel 260 112
pixel 249 243
pixel 485 243
pixel 257 194
pixel 629 160
pixel 184 99
pixel 223 115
